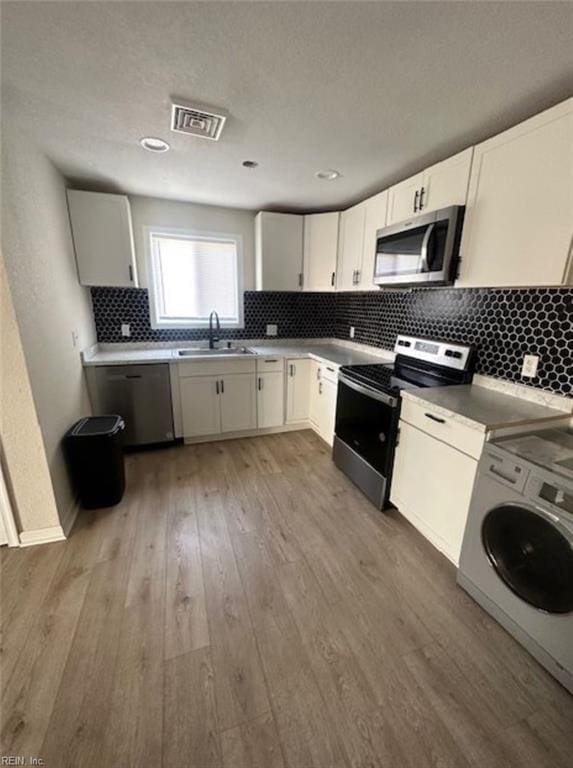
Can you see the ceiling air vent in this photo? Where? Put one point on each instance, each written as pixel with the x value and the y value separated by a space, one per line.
pixel 197 121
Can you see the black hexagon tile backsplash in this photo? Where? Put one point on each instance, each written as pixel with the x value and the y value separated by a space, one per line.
pixel 502 324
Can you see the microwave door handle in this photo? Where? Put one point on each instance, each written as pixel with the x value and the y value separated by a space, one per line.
pixel 424 248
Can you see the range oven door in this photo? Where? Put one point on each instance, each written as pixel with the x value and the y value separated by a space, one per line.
pixel 367 422
pixel 420 250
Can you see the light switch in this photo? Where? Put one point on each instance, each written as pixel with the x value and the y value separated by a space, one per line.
pixel 272 330
pixel 125 330
pixel 529 368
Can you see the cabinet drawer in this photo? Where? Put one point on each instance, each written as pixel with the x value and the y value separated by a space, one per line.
pixel 215 367
pixel 442 424
pixel 270 364
pixel 327 371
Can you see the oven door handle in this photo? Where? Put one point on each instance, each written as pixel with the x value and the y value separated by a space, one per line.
pixel 424 248
pixel 382 397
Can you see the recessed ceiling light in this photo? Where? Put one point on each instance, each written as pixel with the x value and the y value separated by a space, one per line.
pixel 328 175
pixel 250 163
pixel 153 144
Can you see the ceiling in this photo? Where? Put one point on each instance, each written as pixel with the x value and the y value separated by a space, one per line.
pixel 377 90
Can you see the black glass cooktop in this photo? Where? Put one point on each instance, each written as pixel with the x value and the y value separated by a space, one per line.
pixel 388 378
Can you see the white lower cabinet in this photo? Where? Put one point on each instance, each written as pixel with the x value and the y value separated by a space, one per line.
pixel 217 397
pixel 270 399
pixel 298 390
pixel 432 487
pixel 200 406
pixel 238 402
pixel 323 392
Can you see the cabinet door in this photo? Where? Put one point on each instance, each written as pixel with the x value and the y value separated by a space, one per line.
pixel 432 487
pixel 298 390
pixel 320 251
pixel 375 218
pixel 446 183
pixel 350 248
pixel 103 239
pixel 518 223
pixel 314 409
pixel 200 406
pixel 238 402
pixel 278 251
pixel 402 197
pixel 270 399
pixel 328 393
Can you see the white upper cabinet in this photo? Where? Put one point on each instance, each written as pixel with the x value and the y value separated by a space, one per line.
pixel 320 251
pixel 350 248
pixel 103 239
pixel 375 218
pixel 278 251
pixel 519 218
pixel 446 183
pixel 403 199
pixel 439 186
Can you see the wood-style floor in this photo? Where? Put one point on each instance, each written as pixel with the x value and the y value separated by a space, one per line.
pixel 246 607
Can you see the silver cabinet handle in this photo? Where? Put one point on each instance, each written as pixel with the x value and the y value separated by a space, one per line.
pixel 422 193
pixel 260 383
pixel 330 369
pixel 416 196
pixel 320 387
pixel 357 276
pixel 131 273
pixel 222 387
pixel 332 278
pixel 291 370
pixel 271 361
pixel 435 418
pixel 300 279
pixel 217 387
pixel 318 374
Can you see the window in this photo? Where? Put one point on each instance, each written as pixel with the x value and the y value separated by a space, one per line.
pixel 192 274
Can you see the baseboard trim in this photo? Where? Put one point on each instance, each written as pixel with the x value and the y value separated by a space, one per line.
pixel 42 536
pixel 294 427
pixel 70 518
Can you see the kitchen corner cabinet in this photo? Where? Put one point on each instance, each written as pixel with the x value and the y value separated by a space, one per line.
pixel 278 251
pixel 298 390
pixel 439 186
pixel 320 251
pixel 103 239
pixel 519 220
pixel 350 248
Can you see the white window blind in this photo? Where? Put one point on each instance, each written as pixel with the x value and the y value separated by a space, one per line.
pixel 192 275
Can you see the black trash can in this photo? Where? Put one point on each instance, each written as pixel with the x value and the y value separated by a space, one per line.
pixel 94 447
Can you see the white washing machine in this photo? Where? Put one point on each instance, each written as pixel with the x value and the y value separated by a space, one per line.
pixel 517 552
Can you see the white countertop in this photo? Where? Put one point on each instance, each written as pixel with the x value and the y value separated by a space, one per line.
pixel 483 408
pixel 332 353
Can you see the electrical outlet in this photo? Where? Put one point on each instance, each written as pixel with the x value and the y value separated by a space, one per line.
pixel 272 330
pixel 351 331
pixel 125 330
pixel 529 368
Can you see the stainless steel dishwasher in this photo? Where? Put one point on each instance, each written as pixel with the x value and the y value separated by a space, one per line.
pixel 141 395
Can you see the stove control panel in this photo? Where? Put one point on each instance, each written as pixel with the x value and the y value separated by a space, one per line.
pixel 448 354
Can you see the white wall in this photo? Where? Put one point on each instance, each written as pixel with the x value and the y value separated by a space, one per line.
pixel 152 211
pixel 48 299
pixel 22 451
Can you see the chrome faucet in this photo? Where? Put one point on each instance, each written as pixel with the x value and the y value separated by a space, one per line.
pixel 212 339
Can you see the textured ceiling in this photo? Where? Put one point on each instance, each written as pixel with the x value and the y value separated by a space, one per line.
pixel 376 90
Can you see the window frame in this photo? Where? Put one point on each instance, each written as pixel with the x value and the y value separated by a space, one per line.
pixel 154 276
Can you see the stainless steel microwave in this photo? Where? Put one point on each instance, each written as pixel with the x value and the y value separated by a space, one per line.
pixel 420 251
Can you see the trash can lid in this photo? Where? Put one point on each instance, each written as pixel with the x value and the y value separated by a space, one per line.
pixel 97 425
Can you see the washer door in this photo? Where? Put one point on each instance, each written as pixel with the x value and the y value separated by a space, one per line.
pixel 531 555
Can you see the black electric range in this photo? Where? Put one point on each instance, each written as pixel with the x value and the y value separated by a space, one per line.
pixel 368 407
